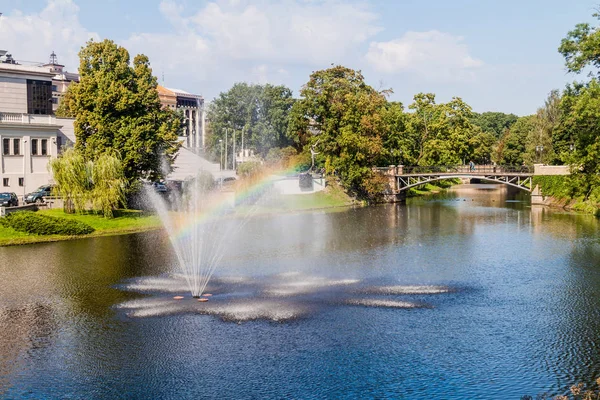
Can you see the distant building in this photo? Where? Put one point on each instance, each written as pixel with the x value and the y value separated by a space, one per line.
pixel 61 80
pixel 192 107
pixel 30 135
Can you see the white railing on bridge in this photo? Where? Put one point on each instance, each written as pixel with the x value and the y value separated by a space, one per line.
pixel 20 118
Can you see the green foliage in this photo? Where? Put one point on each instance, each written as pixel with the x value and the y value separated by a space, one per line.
pixel 248 168
pixel 117 108
pixel 581 47
pixel 108 179
pixel 343 118
pixel 579 123
pixel 100 183
pixel 442 132
pixel 539 147
pixel 38 224
pixel 495 123
pixel 510 148
pixel 73 176
pixel 558 186
pixel 258 112
pixel 280 157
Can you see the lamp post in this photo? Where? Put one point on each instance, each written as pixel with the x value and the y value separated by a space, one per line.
pixel 539 150
pixel 221 157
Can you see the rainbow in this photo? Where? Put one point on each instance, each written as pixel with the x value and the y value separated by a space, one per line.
pixel 185 228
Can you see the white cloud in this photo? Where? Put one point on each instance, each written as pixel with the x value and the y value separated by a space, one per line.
pixel 232 40
pixel 56 28
pixel 433 54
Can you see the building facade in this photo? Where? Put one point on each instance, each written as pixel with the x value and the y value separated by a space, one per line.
pixel 192 107
pixel 30 135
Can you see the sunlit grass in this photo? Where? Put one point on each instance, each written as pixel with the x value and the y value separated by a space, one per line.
pixel 125 221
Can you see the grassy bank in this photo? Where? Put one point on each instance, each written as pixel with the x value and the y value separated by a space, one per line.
pixel 130 221
pixel 559 187
pixel 125 221
pixel 431 188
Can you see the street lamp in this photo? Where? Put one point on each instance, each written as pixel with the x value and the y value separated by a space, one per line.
pixel 221 158
pixel 539 150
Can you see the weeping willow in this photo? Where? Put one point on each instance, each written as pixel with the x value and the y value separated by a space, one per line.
pixel 73 180
pixel 99 184
pixel 109 181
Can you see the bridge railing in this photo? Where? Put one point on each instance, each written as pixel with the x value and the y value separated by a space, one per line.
pixel 465 169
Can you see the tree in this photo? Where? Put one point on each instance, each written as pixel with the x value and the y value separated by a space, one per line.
pixel 99 183
pixel 579 122
pixel 346 117
pixel 581 47
pixel 482 145
pixel 442 132
pixel 116 108
pixel 108 179
pixel 259 112
pixel 73 179
pixel 511 147
pixel 580 110
pixel 539 147
pixel 494 123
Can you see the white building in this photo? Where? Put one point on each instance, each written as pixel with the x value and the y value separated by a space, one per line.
pixel 29 134
pixel 192 107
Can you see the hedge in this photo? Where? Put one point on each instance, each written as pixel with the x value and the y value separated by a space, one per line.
pixel 39 224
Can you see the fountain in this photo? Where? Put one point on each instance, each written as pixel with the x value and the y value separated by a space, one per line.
pixel 200 226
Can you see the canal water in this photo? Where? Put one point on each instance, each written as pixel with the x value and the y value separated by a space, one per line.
pixel 467 294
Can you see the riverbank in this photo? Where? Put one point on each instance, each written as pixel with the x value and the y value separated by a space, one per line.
pixel 126 221
pixel 134 221
pixel 556 192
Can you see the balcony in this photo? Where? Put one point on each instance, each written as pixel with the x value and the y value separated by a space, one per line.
pixel 27 119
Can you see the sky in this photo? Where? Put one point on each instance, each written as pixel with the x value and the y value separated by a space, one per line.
pixel 495 55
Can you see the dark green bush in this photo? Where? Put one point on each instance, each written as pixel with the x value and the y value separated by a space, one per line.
pixel 39 224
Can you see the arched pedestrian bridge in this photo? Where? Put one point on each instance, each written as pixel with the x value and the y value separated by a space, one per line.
pixel 401 177
pixel 517 176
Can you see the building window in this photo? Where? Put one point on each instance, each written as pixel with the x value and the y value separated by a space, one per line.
pixel 39 97
pixel 5 182
pixel 44 147
pixel 59 143
pixel 34 147
pixel 54 88
pixel 21 181
pixel 55 100
pixel 17 147
pixel 6 146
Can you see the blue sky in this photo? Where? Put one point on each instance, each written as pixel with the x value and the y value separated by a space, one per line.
pixel 497 56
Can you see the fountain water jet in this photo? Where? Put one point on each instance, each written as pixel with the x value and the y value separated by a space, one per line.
pixel 199 229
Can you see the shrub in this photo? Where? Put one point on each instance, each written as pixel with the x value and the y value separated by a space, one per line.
pixel 39 224
pixel 248 168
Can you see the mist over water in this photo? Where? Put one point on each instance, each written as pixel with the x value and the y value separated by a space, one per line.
pixel 461 295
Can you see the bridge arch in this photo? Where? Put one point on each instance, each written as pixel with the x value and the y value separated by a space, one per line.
pixel 520 182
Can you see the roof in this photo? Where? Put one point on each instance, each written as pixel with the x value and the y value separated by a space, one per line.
pixel 183 93
pixel 23 69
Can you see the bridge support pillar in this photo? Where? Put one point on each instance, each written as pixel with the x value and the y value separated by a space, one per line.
pixel 398 197
pixel 537 198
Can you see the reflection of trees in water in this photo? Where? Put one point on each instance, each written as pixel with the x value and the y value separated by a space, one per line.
pixel 23 330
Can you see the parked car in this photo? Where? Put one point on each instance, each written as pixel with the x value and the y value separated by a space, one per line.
pixel 160 187
pixel 8 199
pixel 37 196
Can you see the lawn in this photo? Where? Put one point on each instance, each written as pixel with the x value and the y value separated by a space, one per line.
pixel 125 221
